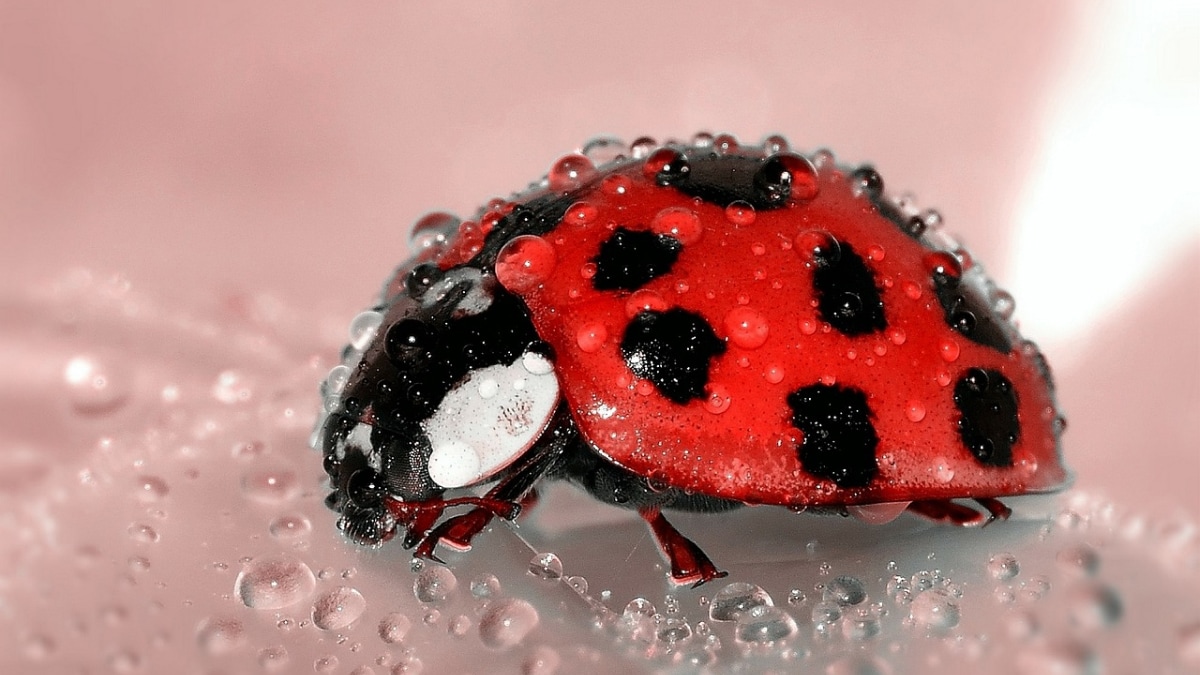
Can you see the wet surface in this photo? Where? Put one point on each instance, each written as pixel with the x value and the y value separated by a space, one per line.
pixel 161 506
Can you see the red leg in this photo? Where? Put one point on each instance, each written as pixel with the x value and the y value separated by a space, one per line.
pixel 688 562
pixel 946 511
pixel 456 533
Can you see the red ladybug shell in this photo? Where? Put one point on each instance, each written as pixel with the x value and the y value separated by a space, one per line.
pixel 793 408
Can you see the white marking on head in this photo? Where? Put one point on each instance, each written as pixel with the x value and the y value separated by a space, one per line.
pixel 477 299
pixel 360 437
pixel 490 420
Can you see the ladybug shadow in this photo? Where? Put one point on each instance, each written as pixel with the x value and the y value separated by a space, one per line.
pixel 769 546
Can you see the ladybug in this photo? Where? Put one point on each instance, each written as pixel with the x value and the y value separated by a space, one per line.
pixel 691 326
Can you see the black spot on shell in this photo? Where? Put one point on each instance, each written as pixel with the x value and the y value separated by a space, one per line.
pixel 724 179
pixel 629 260
pixel 967 311
pixel 673 350
pixel 847 297
pixel 839 440
pixel 989 426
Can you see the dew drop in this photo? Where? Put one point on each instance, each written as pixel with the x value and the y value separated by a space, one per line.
pixel 774 374
pixel 949 350
pixel 546 566
pixel 725 144
pixel 1003 304
pixel 393 627
pixel 542 661
pixel 942 471
pixel 746 327
pixel 817 247
pixel 862 623
pixel 866 182
pixel 876 252
pixel 434 584
pixel 1003 566
pixel 717 399
pixel 740 213
pixel 96 386
pixel 1079 560
pixel 936 609
pixel 220 635
pixel 845 590
pixel 681 223
pixel 591 337
pixel 775 144
pixel 485 586
pixel 946 269
pixel 338 608
pixel 915 411
pixel 326 664
pixel 151 489
pixel 1095 605
pixel 363 329
pixel 290 526
pixel 603 150
pixel 666 166
pixel 271 486
pixel 274 583
pixel 506 623
pixel 736 598
pixel 272 659
pixel 432 232
pixel 641 148
pixel 616 184
pixel 142 533
pixel 524 263
pixel 570 172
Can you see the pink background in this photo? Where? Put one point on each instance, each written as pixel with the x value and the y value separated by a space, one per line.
pixel 265 160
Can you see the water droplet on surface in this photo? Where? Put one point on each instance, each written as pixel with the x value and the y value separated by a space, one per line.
pixel 740 213
pixel 151 488
pixel 899 590
pixel 949 350
pixel 1003 566
pixel 434 584
pixel 817 247
pixel 942 471
pixel 762 625
pixel 861 623
pixel 603 150
pixel 666 166
pixel 546 566
pixel 845 590
pixel 786 175
pixel 674 629
pixel 866 182
pixel 432 232
pixel 274 583
pixel 591 337
pixel 681 223
pixel 1003 303
pixel 1079 560
pixel 570 172
pixel 746 327
pixel 947 271
pixel 272 659
pixel 642 147
pixel 271 486
pixel 915 411
pixel 717 399
pixel 326 664
pixel 363 329
pixel 220 635
pixel 524 263
pixel 290 526
pixel 542 661
pixel 825 612
pixel 935 609
pixel 506 623
pixel 485 586
pixel 1094 605
pixel 96 386
pixel 775 144
pixel 393 627
pixel 145 534
pixel 736 598
pixel 459 625
pixel 338 608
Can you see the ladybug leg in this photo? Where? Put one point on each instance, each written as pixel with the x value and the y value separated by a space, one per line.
pixel 996 510
pixel 688 562
pixel 946 511
pixel 512 491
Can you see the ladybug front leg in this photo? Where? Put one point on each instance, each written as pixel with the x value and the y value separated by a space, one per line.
pixel 458 531
pixel 688 562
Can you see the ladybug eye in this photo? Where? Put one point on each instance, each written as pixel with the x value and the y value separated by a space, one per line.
pixel 364 488
pixel 408 340
pixel 786 175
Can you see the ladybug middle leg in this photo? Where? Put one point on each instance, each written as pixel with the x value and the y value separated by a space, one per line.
pixel 688 562
pixel 946 511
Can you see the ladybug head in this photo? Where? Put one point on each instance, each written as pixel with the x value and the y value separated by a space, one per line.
pixel 454 386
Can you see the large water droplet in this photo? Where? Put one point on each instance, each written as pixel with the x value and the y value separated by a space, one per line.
pixel 546 566
pixel 681 223
pixel 506 622
pixel 96 386
pixel 762 625
pixel 338 608
pixel 936 609
pixel 220 635
pixel 274 583
pixel 432 232
pixel 734 599
pixel 525 263
pixel 603 150
pixel 570 172
pixel 434 584
pixel 845 590
pixel 290 526
pixel 393 627
pixel 1003 566
pixel 746 327
pixel 485 586
pixel 363 329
